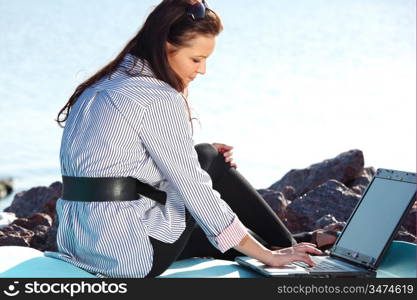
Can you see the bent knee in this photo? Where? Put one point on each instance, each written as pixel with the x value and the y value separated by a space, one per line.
pixel 206 154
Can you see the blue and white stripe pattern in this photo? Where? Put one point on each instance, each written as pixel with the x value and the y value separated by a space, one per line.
pixel 135 125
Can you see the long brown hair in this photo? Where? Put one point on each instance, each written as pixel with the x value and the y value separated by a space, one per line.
pixel 168 22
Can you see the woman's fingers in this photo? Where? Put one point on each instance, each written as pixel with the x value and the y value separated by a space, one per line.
pixel 222 147
pixel 228 155
pixel 304 244
pixel 282 259
pixel 230 161
pixel 308 249
pixel 227 152
pixel 304 257
pixel 299 252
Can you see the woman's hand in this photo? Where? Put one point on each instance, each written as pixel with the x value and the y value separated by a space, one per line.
pixel 298 252
pixel 227 153
pixel 249 246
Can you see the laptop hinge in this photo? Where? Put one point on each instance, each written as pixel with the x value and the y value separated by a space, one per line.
pixel 352 262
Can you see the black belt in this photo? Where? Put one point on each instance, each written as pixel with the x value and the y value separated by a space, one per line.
pixel 95 189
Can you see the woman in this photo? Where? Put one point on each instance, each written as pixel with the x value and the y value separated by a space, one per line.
pixel 127 131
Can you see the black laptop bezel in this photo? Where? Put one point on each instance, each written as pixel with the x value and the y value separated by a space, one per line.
pixel 384 174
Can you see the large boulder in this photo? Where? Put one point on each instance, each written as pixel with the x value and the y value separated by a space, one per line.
pixel 409 224
pixel 15 235
pixel 330 198
pixel 36 200
pixel 276 200
pixel 325 194
pixel 344 168
pixel 326 220
pixel 36 223
pixel 360 183
pixel 31 232
pixel 50 242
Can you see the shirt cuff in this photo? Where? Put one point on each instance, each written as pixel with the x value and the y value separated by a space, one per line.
pixel 231 236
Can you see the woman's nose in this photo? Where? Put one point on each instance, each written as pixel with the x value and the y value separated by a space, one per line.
pixel 202 68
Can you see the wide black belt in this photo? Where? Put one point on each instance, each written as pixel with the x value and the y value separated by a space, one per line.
pixel 95 189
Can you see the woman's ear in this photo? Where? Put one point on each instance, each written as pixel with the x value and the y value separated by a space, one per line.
pixel 170 48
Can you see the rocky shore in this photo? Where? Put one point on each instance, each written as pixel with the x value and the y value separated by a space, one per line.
pixel 325 194
pixel 320 196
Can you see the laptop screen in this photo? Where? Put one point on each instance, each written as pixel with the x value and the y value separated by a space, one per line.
pixel 370 228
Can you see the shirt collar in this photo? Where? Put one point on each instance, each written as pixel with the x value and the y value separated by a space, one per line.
pixel 137 65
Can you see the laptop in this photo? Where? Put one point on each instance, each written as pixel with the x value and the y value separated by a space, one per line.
pixel 361 246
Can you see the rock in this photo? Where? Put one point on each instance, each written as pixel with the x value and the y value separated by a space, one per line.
pixel 35 210
pixel 6 187
pixel 359 184
pixel 50 243
pixel 338 226
pixel 35 220
pixel 275 200
pixel 31 232
pixel 36 200
pixel 332 197
pixel 325 221
pixel 409 222
pixel 18 230
pixel 15 235
pixel 405 236
pixel 12 240
pixel 289 192
pixel 344 168
pixel 39 239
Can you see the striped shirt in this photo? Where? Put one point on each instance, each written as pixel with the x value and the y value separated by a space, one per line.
pixel 133 124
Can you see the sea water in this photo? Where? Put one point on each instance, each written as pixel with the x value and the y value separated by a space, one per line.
pixel 291 83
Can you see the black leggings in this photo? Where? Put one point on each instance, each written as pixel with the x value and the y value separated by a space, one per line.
pixel 242 198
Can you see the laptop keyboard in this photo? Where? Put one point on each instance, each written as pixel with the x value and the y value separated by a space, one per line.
pixel 321 265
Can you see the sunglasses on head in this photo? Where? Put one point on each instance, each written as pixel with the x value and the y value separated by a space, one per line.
pixel 197 11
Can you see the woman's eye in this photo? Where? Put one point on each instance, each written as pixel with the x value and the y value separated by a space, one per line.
pixel 196 60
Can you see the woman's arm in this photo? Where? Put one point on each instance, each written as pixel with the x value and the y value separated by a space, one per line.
pixel 251 247
pixel 166 135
